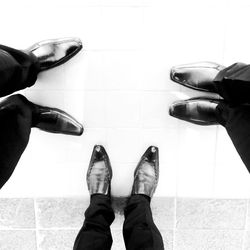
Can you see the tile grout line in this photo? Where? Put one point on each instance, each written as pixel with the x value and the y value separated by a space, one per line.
pixel 36 222
pixel 246 223
pixel 175 222
pixel 176 190
pixel 215 160
pixel 176 193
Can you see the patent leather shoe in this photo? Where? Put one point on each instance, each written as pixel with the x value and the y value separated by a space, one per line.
pixel 99 173
pixel 49 119
pixel 54 52
pixel 146 174
pixel 55 120
pixel 201 110
pixel 198 76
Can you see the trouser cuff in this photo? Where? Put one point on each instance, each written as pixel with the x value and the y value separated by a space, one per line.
pixel 222 113
pixel 34 70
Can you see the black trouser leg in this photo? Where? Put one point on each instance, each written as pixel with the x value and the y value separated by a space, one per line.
pixel 236 120
pixel 95 233
pixel 18 70
pixel 15 127
pixel 233 83
pixel 139 230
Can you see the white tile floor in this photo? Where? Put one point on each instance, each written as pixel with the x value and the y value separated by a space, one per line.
pixel 119 88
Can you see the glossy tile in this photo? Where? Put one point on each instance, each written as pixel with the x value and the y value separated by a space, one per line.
pixel 123 109
pixel 229 169
pixel 196 160
pixel 125 145
pixel 95 113
pixel 155 106
pixel 127 70
pixel 235 52
pixel 123 178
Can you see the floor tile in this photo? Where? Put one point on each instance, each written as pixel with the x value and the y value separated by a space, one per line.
pixel 56 239
pixel 231 176
pixel 18 240
pixel 196 160
pixel 123 109
pixel 61 212
pixel 163 210
pixel 167 236
pixel 208 239
pixel 246 245
pixel 211 214
pixel 17 213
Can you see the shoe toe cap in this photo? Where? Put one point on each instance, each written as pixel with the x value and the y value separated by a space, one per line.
pixel 177 109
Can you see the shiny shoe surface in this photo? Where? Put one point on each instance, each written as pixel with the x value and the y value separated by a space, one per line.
pixel 146 174
pixel 99 173
pixel 197 76
pixel 54 52
pixel 199 111
pixel 54 120
pixel 45 118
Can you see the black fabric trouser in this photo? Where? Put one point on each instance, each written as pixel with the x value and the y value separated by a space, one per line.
pixel 18 70
pixel 236 120
pixel 139 230
pixel 15 128
pixel 233 84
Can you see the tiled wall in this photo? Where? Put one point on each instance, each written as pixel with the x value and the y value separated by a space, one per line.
pixel 119 88
pixel 46 224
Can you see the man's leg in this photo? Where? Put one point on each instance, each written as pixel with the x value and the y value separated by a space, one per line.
pixel 206 111
pixel 139 230
pixel 15 128
pixel 17 117
pixel 95 233
pixel 18 70
pixel 233 83
pixel 236 120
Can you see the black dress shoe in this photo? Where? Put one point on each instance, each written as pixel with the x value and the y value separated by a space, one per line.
pixel 99 173
pixel 201 111
pixel 54 120
pixel 45 118
pixel 146 174
pixel 54 52
pixel 197 76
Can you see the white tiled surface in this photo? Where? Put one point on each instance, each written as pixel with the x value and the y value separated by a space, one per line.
pixel 119 88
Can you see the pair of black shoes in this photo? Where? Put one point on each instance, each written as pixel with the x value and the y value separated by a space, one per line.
pixel 198 76
pixel 146 174
pixel 49 54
